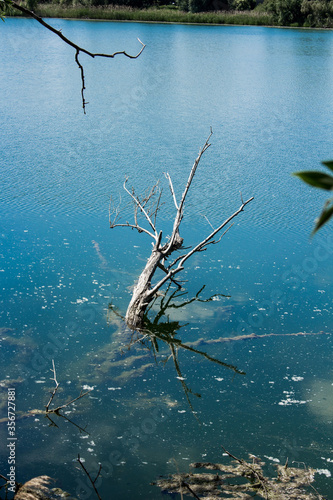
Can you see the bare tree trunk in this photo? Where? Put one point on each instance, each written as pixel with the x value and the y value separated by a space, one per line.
pixel 147 208
pixel 140 298
pixel 142 292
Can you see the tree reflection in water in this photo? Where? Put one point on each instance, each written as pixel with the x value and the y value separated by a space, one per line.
pixel 160 331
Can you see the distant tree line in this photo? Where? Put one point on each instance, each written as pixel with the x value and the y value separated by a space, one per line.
pixel 307 13
pixel 302 13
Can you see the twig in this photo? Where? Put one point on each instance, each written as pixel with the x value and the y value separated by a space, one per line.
pixel 5 486
pixel 190 490
pixel 144 291
pixel 56 410
pixel 93 481
pixel 53 424
pixel 186 389
pixel 146 206
pixel 204 243
pixel 179 479
pixel 180 208
pixel 83 87
pixel 55 389
pixel 211 225
pixel 164 269
pixel 141 207
pixel 210 358
pixel 259 476
pixel 171 189
pixel 81 395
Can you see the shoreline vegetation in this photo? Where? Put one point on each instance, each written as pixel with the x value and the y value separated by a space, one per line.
pixel 152 14
pixel 292 13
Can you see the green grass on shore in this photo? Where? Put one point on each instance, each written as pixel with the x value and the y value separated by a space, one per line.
pixel 165 15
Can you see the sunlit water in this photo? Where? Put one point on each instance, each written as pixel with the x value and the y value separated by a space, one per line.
pixel 268 95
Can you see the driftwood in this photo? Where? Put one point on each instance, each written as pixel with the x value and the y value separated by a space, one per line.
pixel 146 210
pixel 38 488
pixel 242 480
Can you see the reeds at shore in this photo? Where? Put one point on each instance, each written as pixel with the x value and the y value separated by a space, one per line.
pixel 154 14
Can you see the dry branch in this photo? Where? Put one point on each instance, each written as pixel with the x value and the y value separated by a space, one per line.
pixel 149 214
pixel 8 484
pixel 198 248
pixel 77 48
pixel 180 208
pixel 56 411
pixel 58 408
pixel 140 205
pixel 54 390
pixel 92 481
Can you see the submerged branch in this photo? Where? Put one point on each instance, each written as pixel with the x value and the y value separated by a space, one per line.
pixel 252 336
pixel 56 411
pixel 186 389
pixel 210 358
pixel 242 480
pixel 54 390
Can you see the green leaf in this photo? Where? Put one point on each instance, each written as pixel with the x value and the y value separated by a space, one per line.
pixel 328 164
pixel 4 5
pixel 316 179
pixel 325 216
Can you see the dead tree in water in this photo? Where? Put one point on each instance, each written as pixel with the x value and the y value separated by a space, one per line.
pixel 147 208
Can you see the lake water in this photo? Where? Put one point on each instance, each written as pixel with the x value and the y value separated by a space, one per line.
pixel 268 95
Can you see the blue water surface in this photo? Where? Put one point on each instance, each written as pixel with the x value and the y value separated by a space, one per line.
pixel 267 93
